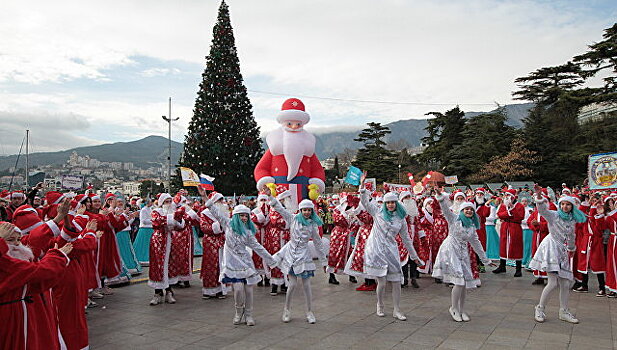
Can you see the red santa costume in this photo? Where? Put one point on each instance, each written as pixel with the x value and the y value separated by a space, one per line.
pixel 435 226
pixel 590 249
pixel 213 243
pixel 290 159
pixel 539 225
pixel 345 222
pixel 182 242
pixel 483 212
pixel 165 220
pixel 261 218
pixel 511 215
pixel 25 303
pixel 71 296
pixel 611 253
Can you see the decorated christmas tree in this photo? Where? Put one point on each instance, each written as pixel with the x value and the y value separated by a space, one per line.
pixel 223 137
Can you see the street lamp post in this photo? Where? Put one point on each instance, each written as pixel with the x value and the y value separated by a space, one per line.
pixel 399 173
pixel 169 120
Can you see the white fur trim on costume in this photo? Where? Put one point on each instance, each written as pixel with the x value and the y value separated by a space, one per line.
pixel 54 228
pixel 28 229
pixel 261 183
pixel 66 237
pixel 317 181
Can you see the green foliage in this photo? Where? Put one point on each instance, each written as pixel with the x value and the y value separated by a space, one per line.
pixel 223 137
pixel 484 137
pixel 374 157
pixel 150 188
pixel 444 133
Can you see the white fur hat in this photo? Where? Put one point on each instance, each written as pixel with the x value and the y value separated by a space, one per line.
pixel 390 197
pixel 306 204
pixel 241 209
pixel 467 205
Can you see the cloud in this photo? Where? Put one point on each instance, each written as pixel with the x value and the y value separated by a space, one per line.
pixel 48 132
pixel 116 62
pixel 154 72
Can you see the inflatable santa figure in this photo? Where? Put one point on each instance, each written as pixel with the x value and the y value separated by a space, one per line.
pixel 290 159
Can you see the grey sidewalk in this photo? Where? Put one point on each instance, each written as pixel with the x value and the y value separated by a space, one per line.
pixel 501 317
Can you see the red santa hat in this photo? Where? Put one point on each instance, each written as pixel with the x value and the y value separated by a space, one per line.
pixel 5 195
pixel 109 195
pixel 480 190
pixel 511 192
pixel 94 196
pixel 26 218
pixel 293 109
pixel 458 193
pixel 404 194
pixel 54 197
pixel 215 196
pixel 162 198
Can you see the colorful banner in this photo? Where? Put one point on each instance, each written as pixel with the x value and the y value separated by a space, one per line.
pixel 602 171
pixel 397 187
pixel 353 176
pixel 451 180
pixel 206 182
pixel 189 177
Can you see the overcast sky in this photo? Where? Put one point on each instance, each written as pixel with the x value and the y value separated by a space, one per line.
pixel 88 72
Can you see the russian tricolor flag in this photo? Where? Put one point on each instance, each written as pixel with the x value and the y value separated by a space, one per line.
pixel 206 182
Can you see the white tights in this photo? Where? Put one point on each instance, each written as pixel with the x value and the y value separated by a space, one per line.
pixel 308 293
pixel 458 298
pixel 243 296
pixel 396 293
pixel 564 290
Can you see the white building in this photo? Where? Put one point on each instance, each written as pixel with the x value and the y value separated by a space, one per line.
pixel 595 111
pixel 130 188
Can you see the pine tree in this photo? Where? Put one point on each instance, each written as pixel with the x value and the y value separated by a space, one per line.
pixel 444 133
pixel 374 157
pixel 602 56
pixel 223 137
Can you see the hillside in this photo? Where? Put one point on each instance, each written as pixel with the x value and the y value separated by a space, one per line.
pixel 409 131
pixel 153 149
pixel 143 153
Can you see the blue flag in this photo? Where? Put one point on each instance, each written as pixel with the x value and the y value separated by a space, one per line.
pixel 353 176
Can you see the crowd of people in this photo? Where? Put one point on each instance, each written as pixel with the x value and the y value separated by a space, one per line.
pixel 61 251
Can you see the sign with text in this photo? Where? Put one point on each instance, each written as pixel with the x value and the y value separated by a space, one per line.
pixel 72 182
pixel 189 177
pixel 353 176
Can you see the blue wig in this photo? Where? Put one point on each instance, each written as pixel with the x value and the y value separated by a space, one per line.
pixel 399 211
pixel 575 215
pixel 240 227
pixel 314 219
pixel 469 222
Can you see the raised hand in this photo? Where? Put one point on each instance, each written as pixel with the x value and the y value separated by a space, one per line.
pixel 99 234
pixel 538 190
pixel 66 249
pixel 91 225
pixel 363 177
pixel 6 229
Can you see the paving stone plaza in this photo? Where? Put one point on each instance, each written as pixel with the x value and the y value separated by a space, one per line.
pixel 501 318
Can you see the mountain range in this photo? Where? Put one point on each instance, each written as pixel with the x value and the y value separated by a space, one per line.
pixel 152 150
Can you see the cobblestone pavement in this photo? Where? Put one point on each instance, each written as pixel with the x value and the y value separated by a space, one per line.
pixel 501 318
